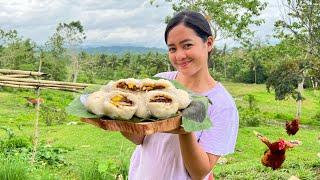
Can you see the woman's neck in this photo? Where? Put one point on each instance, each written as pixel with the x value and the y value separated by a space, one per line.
pixel 200 82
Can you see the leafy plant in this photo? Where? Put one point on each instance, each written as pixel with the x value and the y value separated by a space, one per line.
pixel 9 131
pixel 22 147
pixel 109 169
pixel 53 115
pixel 48 155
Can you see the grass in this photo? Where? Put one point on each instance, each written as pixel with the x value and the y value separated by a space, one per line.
pixel 277 109
pixel 90 147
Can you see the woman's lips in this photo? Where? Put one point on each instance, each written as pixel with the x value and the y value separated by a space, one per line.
pixel 183 64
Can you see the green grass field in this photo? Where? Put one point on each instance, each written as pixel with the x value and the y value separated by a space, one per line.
pixel 89 148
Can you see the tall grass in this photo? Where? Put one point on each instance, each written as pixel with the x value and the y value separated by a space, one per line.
pixel 13 169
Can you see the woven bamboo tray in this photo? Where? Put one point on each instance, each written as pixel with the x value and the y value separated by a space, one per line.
pixel 145 128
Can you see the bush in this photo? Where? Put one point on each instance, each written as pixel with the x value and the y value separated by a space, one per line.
pixel 250 117
pixel 217 75
pixel 53 115
pixel 22 148
pixel 109 169
pixel 15 144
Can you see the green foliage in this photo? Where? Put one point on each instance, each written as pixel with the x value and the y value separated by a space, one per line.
pixel 249 117
pixel 302 24
pixel 15 52
pixel 55 67
pixel 226 17
pixel 108 169
pixel 9 131
pixel 48 155
pixel 22 147
pixel 285 79
pixel 53 115
pixel 13 145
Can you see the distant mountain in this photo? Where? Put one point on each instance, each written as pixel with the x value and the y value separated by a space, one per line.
pixel 121 50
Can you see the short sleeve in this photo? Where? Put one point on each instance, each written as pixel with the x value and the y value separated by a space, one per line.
pixel 167 75
pixel 221 138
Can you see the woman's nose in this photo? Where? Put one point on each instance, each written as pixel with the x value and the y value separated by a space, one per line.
pixel 180 55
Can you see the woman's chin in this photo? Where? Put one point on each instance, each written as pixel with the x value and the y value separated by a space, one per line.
pixel 186 72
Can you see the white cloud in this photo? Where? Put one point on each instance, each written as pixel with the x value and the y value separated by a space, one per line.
pixel 106 22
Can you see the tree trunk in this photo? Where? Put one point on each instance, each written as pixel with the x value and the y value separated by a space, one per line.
pixel 225 60
pixel 299 99
pixel 255 75
pixel 75 68
pixel 225 69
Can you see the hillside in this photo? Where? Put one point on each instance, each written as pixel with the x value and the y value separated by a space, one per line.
pixel 120 49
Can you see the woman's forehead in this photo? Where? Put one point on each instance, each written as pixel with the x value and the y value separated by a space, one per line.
pixel 181 33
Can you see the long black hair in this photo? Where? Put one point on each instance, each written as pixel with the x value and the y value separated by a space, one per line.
pixel 190 19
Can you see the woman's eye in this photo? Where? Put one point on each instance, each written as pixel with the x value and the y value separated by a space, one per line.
pixel 187 46
pixel 172 49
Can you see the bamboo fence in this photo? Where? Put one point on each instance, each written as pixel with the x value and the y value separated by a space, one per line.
pixel 20 79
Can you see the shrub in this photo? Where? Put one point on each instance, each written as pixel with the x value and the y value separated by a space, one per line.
pixel 250 117
pixel 109 169
pixel 53 115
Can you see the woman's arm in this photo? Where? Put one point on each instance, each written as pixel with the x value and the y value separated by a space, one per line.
pixel 136 139
pixel 197 162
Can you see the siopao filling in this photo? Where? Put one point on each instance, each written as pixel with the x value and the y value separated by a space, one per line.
pixel 127 86
pixel 121 100
pixel 161 98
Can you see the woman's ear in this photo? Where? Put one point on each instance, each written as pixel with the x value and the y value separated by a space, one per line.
pixel 210 43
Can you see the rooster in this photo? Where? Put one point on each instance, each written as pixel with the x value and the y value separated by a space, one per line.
pixel 274 156
pixel 292 127
pixel 34 101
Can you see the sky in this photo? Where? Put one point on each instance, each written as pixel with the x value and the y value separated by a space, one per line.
pixel 106 22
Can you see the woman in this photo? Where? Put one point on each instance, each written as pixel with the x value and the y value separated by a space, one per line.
pixel 181 155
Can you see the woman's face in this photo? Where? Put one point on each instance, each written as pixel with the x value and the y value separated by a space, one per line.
pixel 187 51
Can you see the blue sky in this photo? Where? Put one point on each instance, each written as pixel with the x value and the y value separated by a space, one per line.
pixel 106 22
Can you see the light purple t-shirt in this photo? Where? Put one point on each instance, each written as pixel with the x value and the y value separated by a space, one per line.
pixel 159 157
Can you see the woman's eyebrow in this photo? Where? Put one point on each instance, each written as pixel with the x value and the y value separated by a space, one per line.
pixel 184 41
pixel 181 42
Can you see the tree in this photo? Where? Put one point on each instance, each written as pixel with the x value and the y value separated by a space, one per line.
pixel 302 24
pixel 16 52
pixel 230 18
pixel 285 80
pixel 72 35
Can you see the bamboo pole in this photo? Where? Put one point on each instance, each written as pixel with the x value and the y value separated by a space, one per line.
pixel 41 84
pixel 4 78
pixel 30 73
pixel 34 87
pixel 18 86
pixel 17 75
